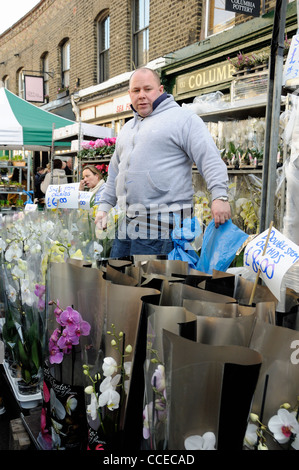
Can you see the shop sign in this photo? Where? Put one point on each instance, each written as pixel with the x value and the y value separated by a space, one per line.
pixel 122 104
pixel 34 88
pixel 204 78
pixel 245 7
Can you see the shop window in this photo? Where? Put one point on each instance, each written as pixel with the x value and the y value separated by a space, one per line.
pixel 20 83
pixel 103 48
pixel 218 19
pixel 141 12
pixel 65 64
pixel 45 70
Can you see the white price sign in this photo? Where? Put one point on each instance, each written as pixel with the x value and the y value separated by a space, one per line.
pixel 281 253
pixel 84 199
pixel 64 196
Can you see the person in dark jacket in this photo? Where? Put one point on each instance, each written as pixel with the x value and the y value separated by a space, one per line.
pixel 39 177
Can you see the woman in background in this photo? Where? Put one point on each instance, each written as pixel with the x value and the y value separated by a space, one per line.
pixel 92 179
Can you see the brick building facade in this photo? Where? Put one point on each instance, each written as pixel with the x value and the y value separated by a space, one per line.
pixel 174 25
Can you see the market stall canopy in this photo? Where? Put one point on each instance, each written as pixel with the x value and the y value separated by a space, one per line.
pixel 23 124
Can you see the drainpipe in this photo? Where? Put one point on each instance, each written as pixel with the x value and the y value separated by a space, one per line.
pixel 273 116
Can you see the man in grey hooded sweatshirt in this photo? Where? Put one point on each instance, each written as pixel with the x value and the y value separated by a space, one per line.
pixel 150 173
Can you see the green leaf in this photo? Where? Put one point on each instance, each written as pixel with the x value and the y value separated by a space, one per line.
pixel 23 355
pixel 35 354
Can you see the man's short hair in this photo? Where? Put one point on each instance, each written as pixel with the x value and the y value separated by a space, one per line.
pixel 155 74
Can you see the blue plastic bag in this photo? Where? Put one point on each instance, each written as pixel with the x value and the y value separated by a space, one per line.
pixel 219 246
pixel 182 237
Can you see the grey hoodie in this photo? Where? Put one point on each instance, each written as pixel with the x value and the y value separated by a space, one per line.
pixel 153 158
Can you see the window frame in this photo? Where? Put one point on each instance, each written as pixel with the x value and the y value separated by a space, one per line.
pixel 44 71
pixel 20 83
pixel 65 56
pixel 140 30
pixel 103 40
pixel 221 26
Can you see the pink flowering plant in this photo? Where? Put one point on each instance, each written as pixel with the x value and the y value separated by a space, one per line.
pixel 96 148
pixel 71 328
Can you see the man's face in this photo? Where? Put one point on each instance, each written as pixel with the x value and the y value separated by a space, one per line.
pixel 144 90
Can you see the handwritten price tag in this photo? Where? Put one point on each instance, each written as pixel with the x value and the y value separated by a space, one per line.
pixel 64 196
pixel 84 199
pixel 281 253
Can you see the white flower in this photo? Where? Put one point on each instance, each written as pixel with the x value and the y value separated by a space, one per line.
pixel 283 425
pixel 250 438
pixel 158 379
pixel 205 442
pixel 97 248
pixel 27 296
pixel 14 252
pixel 109 383
pixel 11 293
pixel 110 398
pixel 295 443
pixel 2 245
pixel 92 408
pixel 109 366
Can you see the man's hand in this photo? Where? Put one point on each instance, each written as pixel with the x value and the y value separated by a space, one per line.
pixel 220 211
pixel 101 220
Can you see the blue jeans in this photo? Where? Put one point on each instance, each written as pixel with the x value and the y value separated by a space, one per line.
pixel 153 239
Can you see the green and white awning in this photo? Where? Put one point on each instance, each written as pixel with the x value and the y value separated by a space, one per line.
pixel 24 124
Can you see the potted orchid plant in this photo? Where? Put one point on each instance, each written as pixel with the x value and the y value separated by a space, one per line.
pixel 106 394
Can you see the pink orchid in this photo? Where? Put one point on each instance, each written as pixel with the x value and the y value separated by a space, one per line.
pixel 69 316
pixel 56 356
pixel 82 328
pixel 39 290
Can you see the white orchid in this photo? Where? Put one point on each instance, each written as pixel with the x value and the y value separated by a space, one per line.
pixel 26 292
pixel 11 293
pixel 109 366
pixel 295 443
pixel 13 252
pixel 2 245
pixel 92 408
pixel 109 383
pixel 205 442
pixel 250 438
pixel 283 425
pixel 97 248
pixel 110 398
